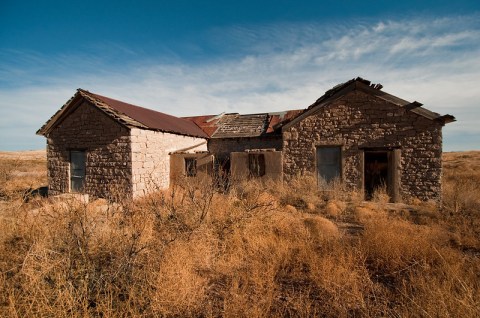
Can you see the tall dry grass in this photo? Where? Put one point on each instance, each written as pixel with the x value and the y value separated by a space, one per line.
pixel 257 251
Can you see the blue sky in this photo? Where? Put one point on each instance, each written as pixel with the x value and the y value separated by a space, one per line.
pixel 206 57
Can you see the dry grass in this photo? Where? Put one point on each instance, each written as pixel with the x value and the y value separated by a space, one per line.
pixel 256 251
pixel 21 172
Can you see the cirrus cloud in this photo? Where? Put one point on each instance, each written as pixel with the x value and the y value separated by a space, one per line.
pixel 259 68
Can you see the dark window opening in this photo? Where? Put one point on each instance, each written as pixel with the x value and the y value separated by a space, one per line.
pixel 256 165
pixel 77 170
pixel 329 163
pixel 376 172
pixel 222 172
pixel 191 167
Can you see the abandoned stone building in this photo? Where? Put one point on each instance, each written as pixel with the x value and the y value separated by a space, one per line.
pixel 355 133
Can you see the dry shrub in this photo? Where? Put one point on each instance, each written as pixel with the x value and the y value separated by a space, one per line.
pixel 335 208
pixel 414 264
pixel 251 195
pixel 254 251
pixel 180 278
pixel 20 177
pixel 368 211
pixel 380 195
pixel 301 192
pixel 265 262
pixel 461 191
pixel 290 208
pixel 461 198
pixel 321 227
pixel 395 244
pixel 76 261
pixel 362 213
pixel 335 190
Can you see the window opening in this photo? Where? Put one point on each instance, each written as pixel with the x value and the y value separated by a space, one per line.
pixel 77 170
pixel 191 167
pixel 329 163
pixel 256 165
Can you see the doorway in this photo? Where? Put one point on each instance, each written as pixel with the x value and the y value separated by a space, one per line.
pixel 382 169
pixel 222 173
pixel 375 172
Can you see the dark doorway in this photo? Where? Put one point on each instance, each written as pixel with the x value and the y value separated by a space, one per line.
pixel 222 173
pixel 376 172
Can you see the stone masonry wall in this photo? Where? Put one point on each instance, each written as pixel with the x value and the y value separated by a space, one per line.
pixel 359 120
pixel 107 147
pixel 151 159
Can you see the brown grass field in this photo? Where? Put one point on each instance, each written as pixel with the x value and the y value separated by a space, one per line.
pixel 256 251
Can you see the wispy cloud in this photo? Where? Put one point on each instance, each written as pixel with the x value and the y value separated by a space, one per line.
pixel 261 68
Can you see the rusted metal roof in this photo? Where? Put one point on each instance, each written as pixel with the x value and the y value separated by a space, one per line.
pixel 153 119
pixel 126 114
pixel 279 119
pixel 205 123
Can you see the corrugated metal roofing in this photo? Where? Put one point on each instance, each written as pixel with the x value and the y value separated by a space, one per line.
pixel 205 123
pixel 153 119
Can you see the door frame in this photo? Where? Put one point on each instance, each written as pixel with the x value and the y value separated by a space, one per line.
pixel 393 173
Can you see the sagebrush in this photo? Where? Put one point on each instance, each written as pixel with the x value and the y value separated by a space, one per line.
pixel 259 250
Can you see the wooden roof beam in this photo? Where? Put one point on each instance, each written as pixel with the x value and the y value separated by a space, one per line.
pixel 413 105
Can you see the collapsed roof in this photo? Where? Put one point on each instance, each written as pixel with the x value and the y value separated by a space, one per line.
pixel 237 125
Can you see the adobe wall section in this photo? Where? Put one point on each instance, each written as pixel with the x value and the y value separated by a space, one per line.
pixel 358 121
pixel 151 160
pixel 273 165
pixel 222 147
pixel 107 147
pixel 204 165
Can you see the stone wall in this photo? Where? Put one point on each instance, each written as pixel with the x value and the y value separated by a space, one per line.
pixel 107 147
pixel 357 121
pixel 151 159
